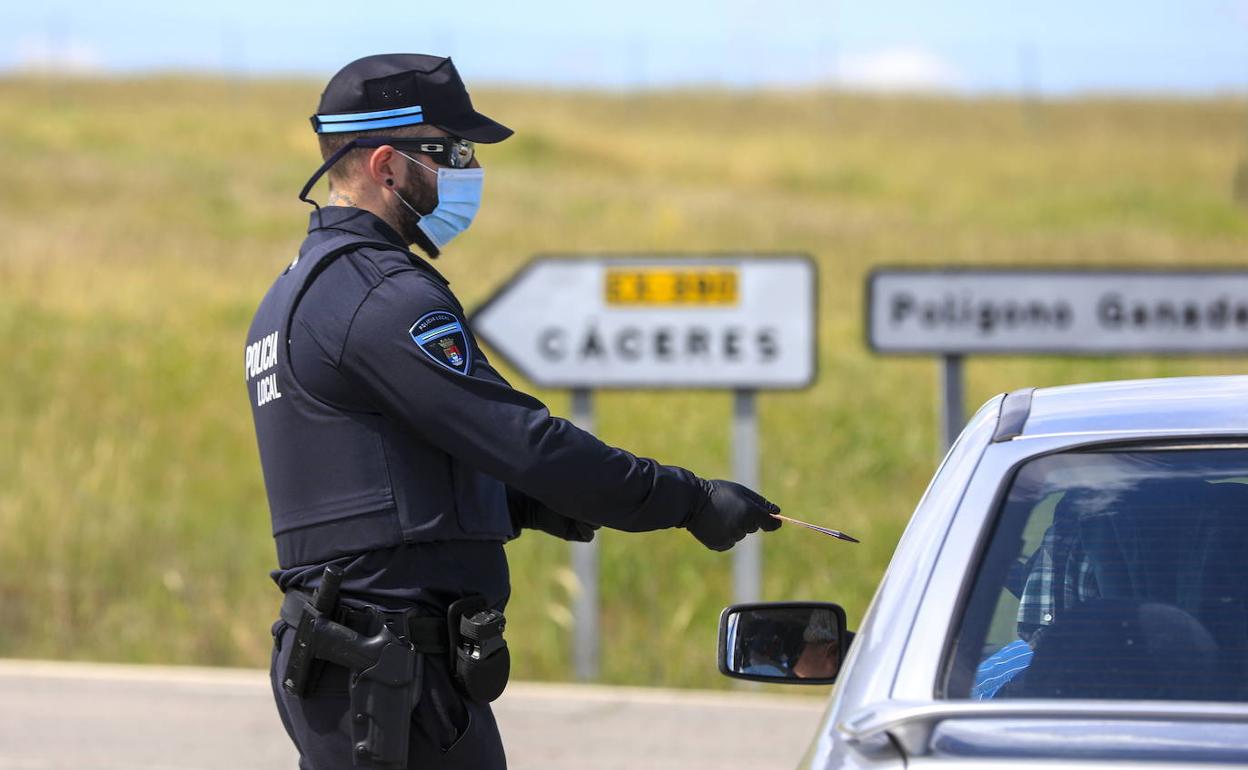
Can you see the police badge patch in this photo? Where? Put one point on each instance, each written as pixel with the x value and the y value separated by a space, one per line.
pixel 441 336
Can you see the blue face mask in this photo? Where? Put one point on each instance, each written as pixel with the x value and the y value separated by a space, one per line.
pixel 459 197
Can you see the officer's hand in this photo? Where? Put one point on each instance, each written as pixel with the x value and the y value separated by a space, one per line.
pixel 730 513
pixel 538 516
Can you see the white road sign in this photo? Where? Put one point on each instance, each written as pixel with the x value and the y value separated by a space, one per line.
pixel 1053 311
pixel 713 322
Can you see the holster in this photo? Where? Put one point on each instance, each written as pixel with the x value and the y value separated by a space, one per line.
pixel 386 669
pixel 381 709
pixel 479 661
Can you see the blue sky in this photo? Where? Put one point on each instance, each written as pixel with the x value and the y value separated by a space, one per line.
pixel 1056 47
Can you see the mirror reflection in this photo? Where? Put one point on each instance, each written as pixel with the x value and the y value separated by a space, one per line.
pixel 789 643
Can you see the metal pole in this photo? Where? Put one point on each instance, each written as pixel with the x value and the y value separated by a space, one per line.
pixel 952 399
pixel 585 566
pixel 747 565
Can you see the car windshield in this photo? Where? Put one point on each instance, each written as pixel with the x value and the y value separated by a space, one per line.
pixel 1113 575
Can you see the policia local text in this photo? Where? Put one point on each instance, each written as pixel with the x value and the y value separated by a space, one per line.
pixel 1114 312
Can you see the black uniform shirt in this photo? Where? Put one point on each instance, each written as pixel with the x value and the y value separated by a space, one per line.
pixel 353 344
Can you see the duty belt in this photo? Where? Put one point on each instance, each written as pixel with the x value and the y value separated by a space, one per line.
pixel 386 668
pixel 385 653
pixel 425 634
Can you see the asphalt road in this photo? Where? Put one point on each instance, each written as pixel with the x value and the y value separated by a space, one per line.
pixel 76 715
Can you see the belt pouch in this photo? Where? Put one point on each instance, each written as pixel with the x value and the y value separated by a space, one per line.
pixel 480 662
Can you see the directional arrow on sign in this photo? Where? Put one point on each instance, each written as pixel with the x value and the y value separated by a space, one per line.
pixel 740 322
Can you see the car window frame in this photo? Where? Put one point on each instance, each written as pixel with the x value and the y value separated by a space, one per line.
pixel 988 532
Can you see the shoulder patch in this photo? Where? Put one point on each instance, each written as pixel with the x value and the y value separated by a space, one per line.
pixel 441 336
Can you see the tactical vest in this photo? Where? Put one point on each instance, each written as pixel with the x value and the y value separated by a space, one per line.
pixel 342 482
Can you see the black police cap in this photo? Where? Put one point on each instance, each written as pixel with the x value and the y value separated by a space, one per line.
pixel 402 89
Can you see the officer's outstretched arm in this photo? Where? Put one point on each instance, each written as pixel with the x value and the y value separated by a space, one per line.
pixel 409 348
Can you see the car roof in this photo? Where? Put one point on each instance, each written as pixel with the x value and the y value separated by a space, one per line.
pixel 1176 405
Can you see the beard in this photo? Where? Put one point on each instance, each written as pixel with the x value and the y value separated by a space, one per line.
pixel 423 197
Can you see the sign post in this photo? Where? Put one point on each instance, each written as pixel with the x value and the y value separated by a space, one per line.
pixel 955 312
pixel 952 399
pixel 747 560
pixel 732 322
pixel 585 645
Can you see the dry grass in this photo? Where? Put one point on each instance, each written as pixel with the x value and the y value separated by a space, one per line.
pixel 144 219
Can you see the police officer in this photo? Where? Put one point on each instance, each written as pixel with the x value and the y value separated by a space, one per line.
pixel 392 450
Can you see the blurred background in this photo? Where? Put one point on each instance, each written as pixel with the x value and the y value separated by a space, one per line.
pixel 150 156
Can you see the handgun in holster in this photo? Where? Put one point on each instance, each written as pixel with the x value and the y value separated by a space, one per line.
pixel 385 682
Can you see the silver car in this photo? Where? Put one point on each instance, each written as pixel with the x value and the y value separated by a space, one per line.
pixel 1072 588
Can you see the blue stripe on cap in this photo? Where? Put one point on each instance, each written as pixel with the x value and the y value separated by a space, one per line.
pixel 347 116
pixel 369 125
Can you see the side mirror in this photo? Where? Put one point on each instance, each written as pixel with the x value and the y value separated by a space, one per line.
pixel 783 642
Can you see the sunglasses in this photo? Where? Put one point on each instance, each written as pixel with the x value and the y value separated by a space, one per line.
pixel 445 150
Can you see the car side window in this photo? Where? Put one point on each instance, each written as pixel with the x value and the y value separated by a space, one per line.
pixel 1116 574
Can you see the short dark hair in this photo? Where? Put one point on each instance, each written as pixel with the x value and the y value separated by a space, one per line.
pixel 348 164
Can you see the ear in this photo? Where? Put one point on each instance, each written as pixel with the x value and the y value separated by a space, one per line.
pixel 383 164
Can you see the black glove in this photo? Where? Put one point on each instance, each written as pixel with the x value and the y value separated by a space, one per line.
pixel 527 513
pixel 730 512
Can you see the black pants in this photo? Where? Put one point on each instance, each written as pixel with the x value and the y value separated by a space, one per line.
pixel 448 732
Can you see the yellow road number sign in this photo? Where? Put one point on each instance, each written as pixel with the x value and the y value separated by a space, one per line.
pixel 672 286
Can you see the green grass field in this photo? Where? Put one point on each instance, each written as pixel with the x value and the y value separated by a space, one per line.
pixel 143 220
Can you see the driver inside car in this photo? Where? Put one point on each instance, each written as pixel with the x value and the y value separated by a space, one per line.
pixel 1058 575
